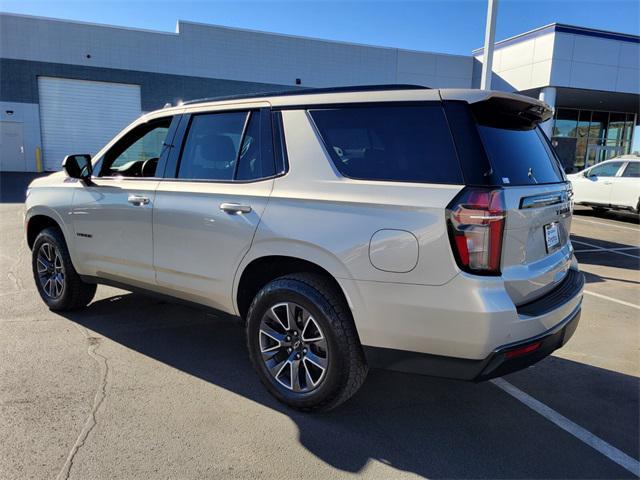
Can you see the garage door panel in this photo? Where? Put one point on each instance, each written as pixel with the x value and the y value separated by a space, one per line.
pixel 81 116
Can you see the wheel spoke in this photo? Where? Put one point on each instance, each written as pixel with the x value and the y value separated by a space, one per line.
pixel 320 362
pixel 311 332
pixel 295 375
pixel 284 322
pixel 48 286
pixel 46 250
pixel 42 265
pixel 59 286
pixel 275 366
pixel 269 335
pixel 57 263
pixel 272 333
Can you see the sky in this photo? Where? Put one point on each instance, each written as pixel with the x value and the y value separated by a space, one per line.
pixel 448 26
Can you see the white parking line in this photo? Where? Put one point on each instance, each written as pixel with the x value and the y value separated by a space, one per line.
pixel 603 249
pixel 591 250
pixel 606 449
pixel 611 299
pixel 575 217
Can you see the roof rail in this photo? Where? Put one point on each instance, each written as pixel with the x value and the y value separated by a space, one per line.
pixel 309 91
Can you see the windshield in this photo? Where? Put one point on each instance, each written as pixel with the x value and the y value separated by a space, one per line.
pixel 519 157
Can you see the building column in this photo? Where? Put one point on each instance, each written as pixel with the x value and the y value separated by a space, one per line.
pixel 548 96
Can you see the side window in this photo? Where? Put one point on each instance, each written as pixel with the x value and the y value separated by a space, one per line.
pixel 138 152
pixel 632 170
pixel 253 163
pixel 212 145
pixel 405 144
pixel 225 147
pixel 606 170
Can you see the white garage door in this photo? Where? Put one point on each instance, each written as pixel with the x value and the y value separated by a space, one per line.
pixel 79 116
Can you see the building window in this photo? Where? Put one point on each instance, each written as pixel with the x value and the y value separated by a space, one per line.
pixel 566 123
pixel 583 137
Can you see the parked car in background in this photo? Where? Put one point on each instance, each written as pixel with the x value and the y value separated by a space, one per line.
pixel 419 230
pixel 613 184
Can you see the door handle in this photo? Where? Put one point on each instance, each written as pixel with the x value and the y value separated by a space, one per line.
pixel 138 200
pixel 235 208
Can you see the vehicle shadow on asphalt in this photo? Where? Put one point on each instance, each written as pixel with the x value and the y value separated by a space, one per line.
pixel 431 427
pixel 621 216
pixel 586 251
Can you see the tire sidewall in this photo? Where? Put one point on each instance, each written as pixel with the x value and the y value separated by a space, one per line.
pixel 47 236
pixel 289 290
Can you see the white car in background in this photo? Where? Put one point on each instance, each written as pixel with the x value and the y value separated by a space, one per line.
pixel 613 184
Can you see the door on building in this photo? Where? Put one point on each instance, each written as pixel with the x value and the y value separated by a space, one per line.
pixel 12 157
pixel 81 116
pixel 599 153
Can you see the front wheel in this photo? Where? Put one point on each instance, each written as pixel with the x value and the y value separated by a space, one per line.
pixel 303 343
pixel 57 281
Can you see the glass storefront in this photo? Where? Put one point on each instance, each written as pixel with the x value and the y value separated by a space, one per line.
pixel 583 138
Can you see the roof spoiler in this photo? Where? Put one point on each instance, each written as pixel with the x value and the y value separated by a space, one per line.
pixel 503 110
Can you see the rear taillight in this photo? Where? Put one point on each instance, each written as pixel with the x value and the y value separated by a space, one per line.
pixel 476 223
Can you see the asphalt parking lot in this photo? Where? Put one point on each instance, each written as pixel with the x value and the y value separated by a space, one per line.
pixel 133 387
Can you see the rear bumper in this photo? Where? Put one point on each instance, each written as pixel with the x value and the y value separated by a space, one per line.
pixel 530 333
pixel 502 361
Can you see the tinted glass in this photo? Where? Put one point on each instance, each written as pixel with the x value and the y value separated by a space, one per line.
pixel 519 157
pixel 632 170
pixel 252 164
pixel 606 170
pixel 407 144
pixel 565 123
pixel 143 145
pixel 212 145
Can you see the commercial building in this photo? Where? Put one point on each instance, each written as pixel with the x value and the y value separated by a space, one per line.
pixel 69 86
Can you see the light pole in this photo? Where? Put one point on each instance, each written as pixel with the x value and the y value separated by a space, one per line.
pixel 489 40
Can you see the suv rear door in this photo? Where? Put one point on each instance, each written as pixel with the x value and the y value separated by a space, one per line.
pixel 626 188
pixel 501 147
pixel 218 180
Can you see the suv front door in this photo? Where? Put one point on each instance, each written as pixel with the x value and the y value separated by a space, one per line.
pixel 205 216
pixel 113 215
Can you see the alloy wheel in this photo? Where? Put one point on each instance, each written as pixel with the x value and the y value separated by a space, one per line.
pixel 293 347
pixel 50 270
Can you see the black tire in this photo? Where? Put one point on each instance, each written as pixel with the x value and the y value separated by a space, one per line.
pixel 346 368
pixel 74 293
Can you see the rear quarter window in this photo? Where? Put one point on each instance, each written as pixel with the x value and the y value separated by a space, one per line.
pixel 392 143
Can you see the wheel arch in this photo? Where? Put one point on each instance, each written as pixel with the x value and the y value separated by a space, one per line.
pixel 38 220
pixel 257 272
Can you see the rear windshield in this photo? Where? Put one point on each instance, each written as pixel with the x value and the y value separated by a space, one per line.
pixel 519 157
pixel 394 143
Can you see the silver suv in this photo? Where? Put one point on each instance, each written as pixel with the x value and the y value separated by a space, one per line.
pixel 413 229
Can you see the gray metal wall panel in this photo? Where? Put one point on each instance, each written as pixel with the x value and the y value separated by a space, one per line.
pixel 19 82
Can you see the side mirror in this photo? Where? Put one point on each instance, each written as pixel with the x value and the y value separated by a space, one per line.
pixel 78 166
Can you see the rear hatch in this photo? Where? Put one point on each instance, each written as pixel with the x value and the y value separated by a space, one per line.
pixel 514 217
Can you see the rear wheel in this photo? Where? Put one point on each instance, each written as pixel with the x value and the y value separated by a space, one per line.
pixel 303 343
pixel 57 281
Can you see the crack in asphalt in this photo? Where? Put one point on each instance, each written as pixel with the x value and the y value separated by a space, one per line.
pixel 12 271
pixel 101 393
